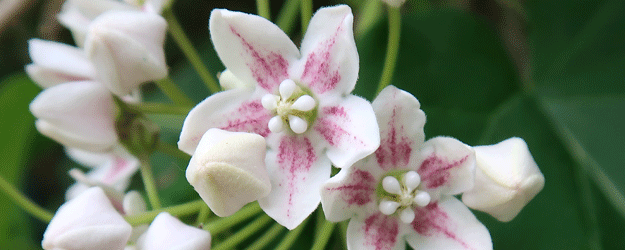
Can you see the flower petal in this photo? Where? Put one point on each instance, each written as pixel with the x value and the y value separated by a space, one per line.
pixel 167 232
pixel 329 64
pixel 446 166
pixel 55 63
pixel 297 171
pixel 237 110
pixel 401 127
pixel 127 49
pixel 375 232
pixel 349 130
pixel 87 222
pixel 77 114
pixel 352 191
pixel 87 158
pixel 253 48
pixel 447 224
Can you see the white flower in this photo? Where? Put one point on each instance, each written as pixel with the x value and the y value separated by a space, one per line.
pixel 168 233
pixel 301 103
pixel 228 170
pixel 404 191
pixel 87 222
pixel 127 49
pixel 507 178
pixel 77 115
pixel 55 63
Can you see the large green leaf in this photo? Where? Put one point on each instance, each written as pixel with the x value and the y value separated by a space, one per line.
pixel 16 135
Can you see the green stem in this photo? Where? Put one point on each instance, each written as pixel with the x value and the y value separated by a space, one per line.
pixel 287 15
pixel 148 181
pixel 178 210
pixel 158 108
pixel 189 51
pixel 204 213
pixel 267 237
pixel 24 202
pixel 263 8
pixel 173 151
pixel 291 236
pixel 220 225
pixel 323 235
pixel 392 49
pixel 343 232
pixel 241 235
pixel 172 91
pixel 306 11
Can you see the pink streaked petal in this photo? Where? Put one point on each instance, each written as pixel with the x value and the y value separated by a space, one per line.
pixel 447 166
pixel 237 110
pixel 253 48
pixel 329 64
pixel 448 224
pixel 349 130
pixel 297 171
pixel 401 127
pixel 375 232
pixel 351 192
pixel 77 114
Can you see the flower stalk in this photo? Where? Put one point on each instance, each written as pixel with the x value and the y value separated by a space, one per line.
pixel 267 237
pixel 24 202
pixel 263 8
pixel 392 49
pixel 241 235
pixel 148 180
pixel 220 225
pixel 306 13
pixel 158 108
pixel 291 236
pixel 178 210
pixel 173 92
pixel 286 16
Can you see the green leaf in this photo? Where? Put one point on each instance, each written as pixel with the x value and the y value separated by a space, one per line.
pixel 592 129
pixel 16 135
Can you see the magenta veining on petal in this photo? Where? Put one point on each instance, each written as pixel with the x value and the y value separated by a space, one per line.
pixel 317 72
pixel 359 190
pixel 434 170
pixel 431 220
pixel 296 156
pixel 381 231
pixel 393 151
pixel 255 119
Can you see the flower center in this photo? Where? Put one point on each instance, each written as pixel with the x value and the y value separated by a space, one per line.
pixel 292 106
pixel 404 196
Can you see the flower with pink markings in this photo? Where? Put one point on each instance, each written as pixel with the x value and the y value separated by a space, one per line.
pixel 405 190
pixel 300 102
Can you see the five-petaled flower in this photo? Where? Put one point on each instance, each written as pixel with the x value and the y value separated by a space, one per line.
pixel 301 103
pixel 404 190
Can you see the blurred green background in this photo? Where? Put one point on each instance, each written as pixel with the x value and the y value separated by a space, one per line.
pixel 550 72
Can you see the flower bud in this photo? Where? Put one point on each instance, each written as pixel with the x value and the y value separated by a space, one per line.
pixel 55 63
pixel 167 232
pixel 507 178
pixel 127 49
pixel 228 81
pixel 228 170
pixel 88 222
pixel 78 115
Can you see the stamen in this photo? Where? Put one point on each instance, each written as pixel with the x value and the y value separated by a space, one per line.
pixel 276 124
pixel 388 207
pixel 298 125
pixel 391 185
pixel 269 101
pixel 422 199
pixel 412 180
pixel 406 215
pixel 304 103
pixel 287 87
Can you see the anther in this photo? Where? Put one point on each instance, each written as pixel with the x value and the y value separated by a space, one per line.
pixel 406 215
pixel 391 185
pixel 298 125
pixel 269 101
pixel 276 124
pixel 304 103
pixel 422 199
pixel 287 87
pixel 412 180
pixel 388 207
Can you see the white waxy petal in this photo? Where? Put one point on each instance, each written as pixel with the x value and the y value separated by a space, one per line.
pixel 167 232
pixel 391 185
pixel 287 87
pixel 228 170
pixel 422 199
pixel 269 101
pixel 276 125
pixel 298 125
pixel 304 103
pixel 412 180
pixel 406 215
pixel 388 207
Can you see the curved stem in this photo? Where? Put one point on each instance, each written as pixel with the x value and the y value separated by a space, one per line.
pixel 324 233
pixel 267 237
pixel 159 108
pixel 148 181
pixel 291 236
pixel 241 235
pixel 306 12
pixel 392 49
pixel 287 15
pixel 204 213
pixel 171 90
pixel 263 8
pixel 189 51
pixel 178 210
pixel 220 225
pixel 24 202
pixel 172 150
